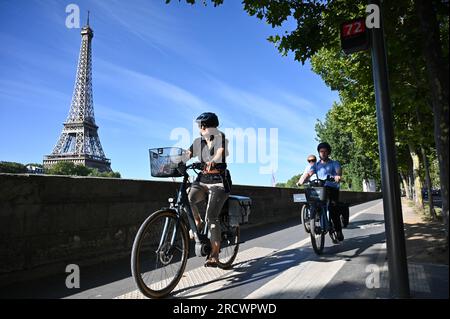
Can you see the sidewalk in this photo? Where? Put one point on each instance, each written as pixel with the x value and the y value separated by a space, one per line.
pixel 425 240
pixel 427 254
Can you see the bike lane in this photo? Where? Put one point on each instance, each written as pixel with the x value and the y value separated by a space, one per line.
pixel 282 264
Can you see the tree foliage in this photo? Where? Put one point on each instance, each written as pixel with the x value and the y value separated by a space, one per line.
pixel 12 167
pixel 69 168
pixel 417 55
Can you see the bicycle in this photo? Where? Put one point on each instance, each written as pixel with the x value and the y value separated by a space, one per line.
pixel 318 198
pixel 161 246
pixel 305 214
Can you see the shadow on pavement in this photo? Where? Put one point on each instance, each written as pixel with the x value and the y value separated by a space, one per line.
pixel 262 270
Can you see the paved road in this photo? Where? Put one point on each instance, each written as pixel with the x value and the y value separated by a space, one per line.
pixel 276 261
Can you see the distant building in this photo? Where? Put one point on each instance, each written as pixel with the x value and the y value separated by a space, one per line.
pixel 33 169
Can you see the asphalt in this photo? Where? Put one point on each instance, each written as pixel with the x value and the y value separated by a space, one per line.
pixel 275 262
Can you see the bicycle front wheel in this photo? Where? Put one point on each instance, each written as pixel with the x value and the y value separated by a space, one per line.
pixel 305 215
pixel 317 234
pixel 159 254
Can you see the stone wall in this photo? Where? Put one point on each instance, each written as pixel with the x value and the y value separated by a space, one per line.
pixel 48 222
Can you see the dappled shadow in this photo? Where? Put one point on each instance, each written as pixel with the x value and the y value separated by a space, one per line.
pixel 353 247
pixel 263 269
pixel 251 271
pixel 425 242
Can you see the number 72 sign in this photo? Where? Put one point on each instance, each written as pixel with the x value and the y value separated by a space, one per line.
pixel 354 36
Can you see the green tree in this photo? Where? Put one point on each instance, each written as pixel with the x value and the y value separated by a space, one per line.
pixel 69 168
pixel 97 173
pixel 291 183
pixel 417 44
pixel 357 165
pixel 12 167
pixel 63 168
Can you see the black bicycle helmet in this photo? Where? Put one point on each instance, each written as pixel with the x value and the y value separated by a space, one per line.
pixel 324 145
pixel 208 119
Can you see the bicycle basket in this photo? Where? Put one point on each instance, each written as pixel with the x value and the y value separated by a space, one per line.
pixel 314 194
pixel 164 161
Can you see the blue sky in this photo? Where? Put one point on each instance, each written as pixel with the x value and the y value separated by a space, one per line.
pixel 155 68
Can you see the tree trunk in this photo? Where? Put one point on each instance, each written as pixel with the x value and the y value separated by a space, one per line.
pixel 405 185
pixel 411 180
pixel 437 72
pixel 418 199
pixel 428 183
pixel 411 186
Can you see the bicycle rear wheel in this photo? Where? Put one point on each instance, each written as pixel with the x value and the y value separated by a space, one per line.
pixel 229 246
pixel 159 254
pixel 317 234
pixel 305 215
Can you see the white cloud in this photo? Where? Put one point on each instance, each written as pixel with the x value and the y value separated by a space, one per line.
pixel 151 86
pixel 269 107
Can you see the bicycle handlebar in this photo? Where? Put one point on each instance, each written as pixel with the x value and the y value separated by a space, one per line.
pixel 202 166
pixel 320 182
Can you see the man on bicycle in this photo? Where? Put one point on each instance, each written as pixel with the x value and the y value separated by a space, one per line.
pixel 213 182
pixel 323 168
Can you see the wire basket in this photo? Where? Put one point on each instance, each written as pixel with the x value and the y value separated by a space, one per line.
pixel 314 194
pixel 165 161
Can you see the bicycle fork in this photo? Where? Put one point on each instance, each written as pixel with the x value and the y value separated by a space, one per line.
pixel 165 234
pixel 323 217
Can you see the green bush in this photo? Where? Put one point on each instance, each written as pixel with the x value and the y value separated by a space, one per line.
pixel 69 168
pixel 62 168
pixel 12 167
pixel 97 173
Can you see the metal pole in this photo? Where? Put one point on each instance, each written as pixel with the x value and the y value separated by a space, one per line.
pixel 395 236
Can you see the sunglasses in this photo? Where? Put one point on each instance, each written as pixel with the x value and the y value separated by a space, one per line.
pixel 311 160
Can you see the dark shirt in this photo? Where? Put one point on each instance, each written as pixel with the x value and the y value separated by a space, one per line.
pixel 205 154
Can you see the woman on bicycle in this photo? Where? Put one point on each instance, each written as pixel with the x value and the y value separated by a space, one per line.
pixel 214 182
pixel 311 159
pixel 328 167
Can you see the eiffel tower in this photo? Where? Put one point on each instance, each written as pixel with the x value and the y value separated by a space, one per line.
pixel 79 142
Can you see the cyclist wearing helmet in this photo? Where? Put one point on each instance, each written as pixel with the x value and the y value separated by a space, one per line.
pixel 214 182
pixel 327 167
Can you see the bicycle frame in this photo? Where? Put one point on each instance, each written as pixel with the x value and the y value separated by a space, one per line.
pixel 182 205
pixel 325 220
pixel 156 275
pixel 322 206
